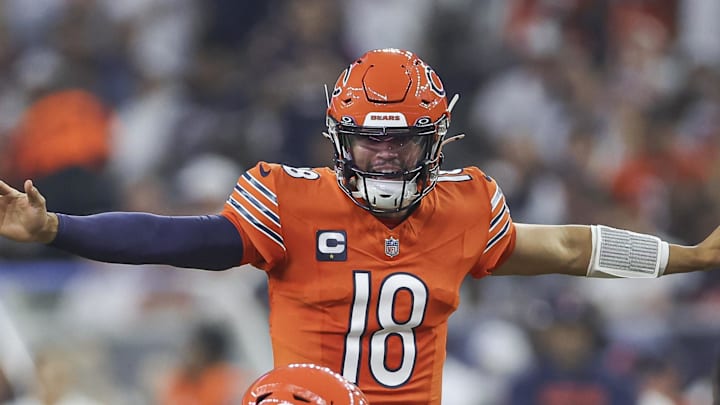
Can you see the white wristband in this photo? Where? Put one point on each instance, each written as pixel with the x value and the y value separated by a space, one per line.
pixel 621 253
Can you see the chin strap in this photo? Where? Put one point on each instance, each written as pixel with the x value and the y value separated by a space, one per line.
pixel 386 194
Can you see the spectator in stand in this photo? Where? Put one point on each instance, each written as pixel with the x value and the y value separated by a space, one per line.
pixel 207 375
pixel 569 370
pixel 63 142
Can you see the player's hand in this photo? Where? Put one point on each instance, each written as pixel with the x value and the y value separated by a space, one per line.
pixel 24 216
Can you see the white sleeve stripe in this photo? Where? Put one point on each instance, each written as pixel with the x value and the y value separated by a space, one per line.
pixel 495 239
pixel 260 187
pixel 269 213
pixel 456 178
pixel 497 217
pixel 247 216
pixel 496 198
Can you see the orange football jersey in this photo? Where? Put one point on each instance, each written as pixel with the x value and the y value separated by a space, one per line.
pixel 349 293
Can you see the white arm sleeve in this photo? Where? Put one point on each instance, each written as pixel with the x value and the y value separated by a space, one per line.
pixel 626 254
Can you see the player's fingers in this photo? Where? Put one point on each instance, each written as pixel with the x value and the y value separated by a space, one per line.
pixel 34 196
pixel 6 190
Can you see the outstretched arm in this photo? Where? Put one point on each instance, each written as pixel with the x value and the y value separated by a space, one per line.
pixel 205 242
pixel 567 249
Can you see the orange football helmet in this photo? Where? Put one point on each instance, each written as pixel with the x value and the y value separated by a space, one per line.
pixel 303 384
pixel 391 103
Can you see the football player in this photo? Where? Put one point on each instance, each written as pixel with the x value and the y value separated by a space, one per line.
pixel 365 259
pixel 297 384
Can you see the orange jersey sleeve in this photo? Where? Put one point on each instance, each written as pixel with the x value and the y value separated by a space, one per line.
pixel 254 210
pixel 500 231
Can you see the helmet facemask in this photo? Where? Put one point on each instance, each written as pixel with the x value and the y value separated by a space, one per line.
pixel 387 169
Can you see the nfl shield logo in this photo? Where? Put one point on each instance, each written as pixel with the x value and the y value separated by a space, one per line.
pixel 392 247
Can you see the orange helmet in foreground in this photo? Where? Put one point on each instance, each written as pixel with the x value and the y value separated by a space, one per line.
pixel 303 384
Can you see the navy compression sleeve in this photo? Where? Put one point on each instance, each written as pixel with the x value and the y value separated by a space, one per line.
pixel 209 242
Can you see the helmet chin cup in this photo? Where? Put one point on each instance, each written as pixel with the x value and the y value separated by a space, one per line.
pixel 384 195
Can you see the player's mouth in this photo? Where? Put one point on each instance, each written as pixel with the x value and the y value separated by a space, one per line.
pixel 387 168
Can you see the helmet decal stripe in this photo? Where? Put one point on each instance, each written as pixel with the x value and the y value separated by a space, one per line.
pixel 434 81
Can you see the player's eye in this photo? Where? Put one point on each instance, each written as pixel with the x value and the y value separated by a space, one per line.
pixel 386 140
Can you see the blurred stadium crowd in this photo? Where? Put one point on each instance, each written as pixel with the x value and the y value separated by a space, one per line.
pixel 585 111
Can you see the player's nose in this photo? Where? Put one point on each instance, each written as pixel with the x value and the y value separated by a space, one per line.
pixel 388 149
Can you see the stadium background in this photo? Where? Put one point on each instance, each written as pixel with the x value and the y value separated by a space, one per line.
pixel 585 111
